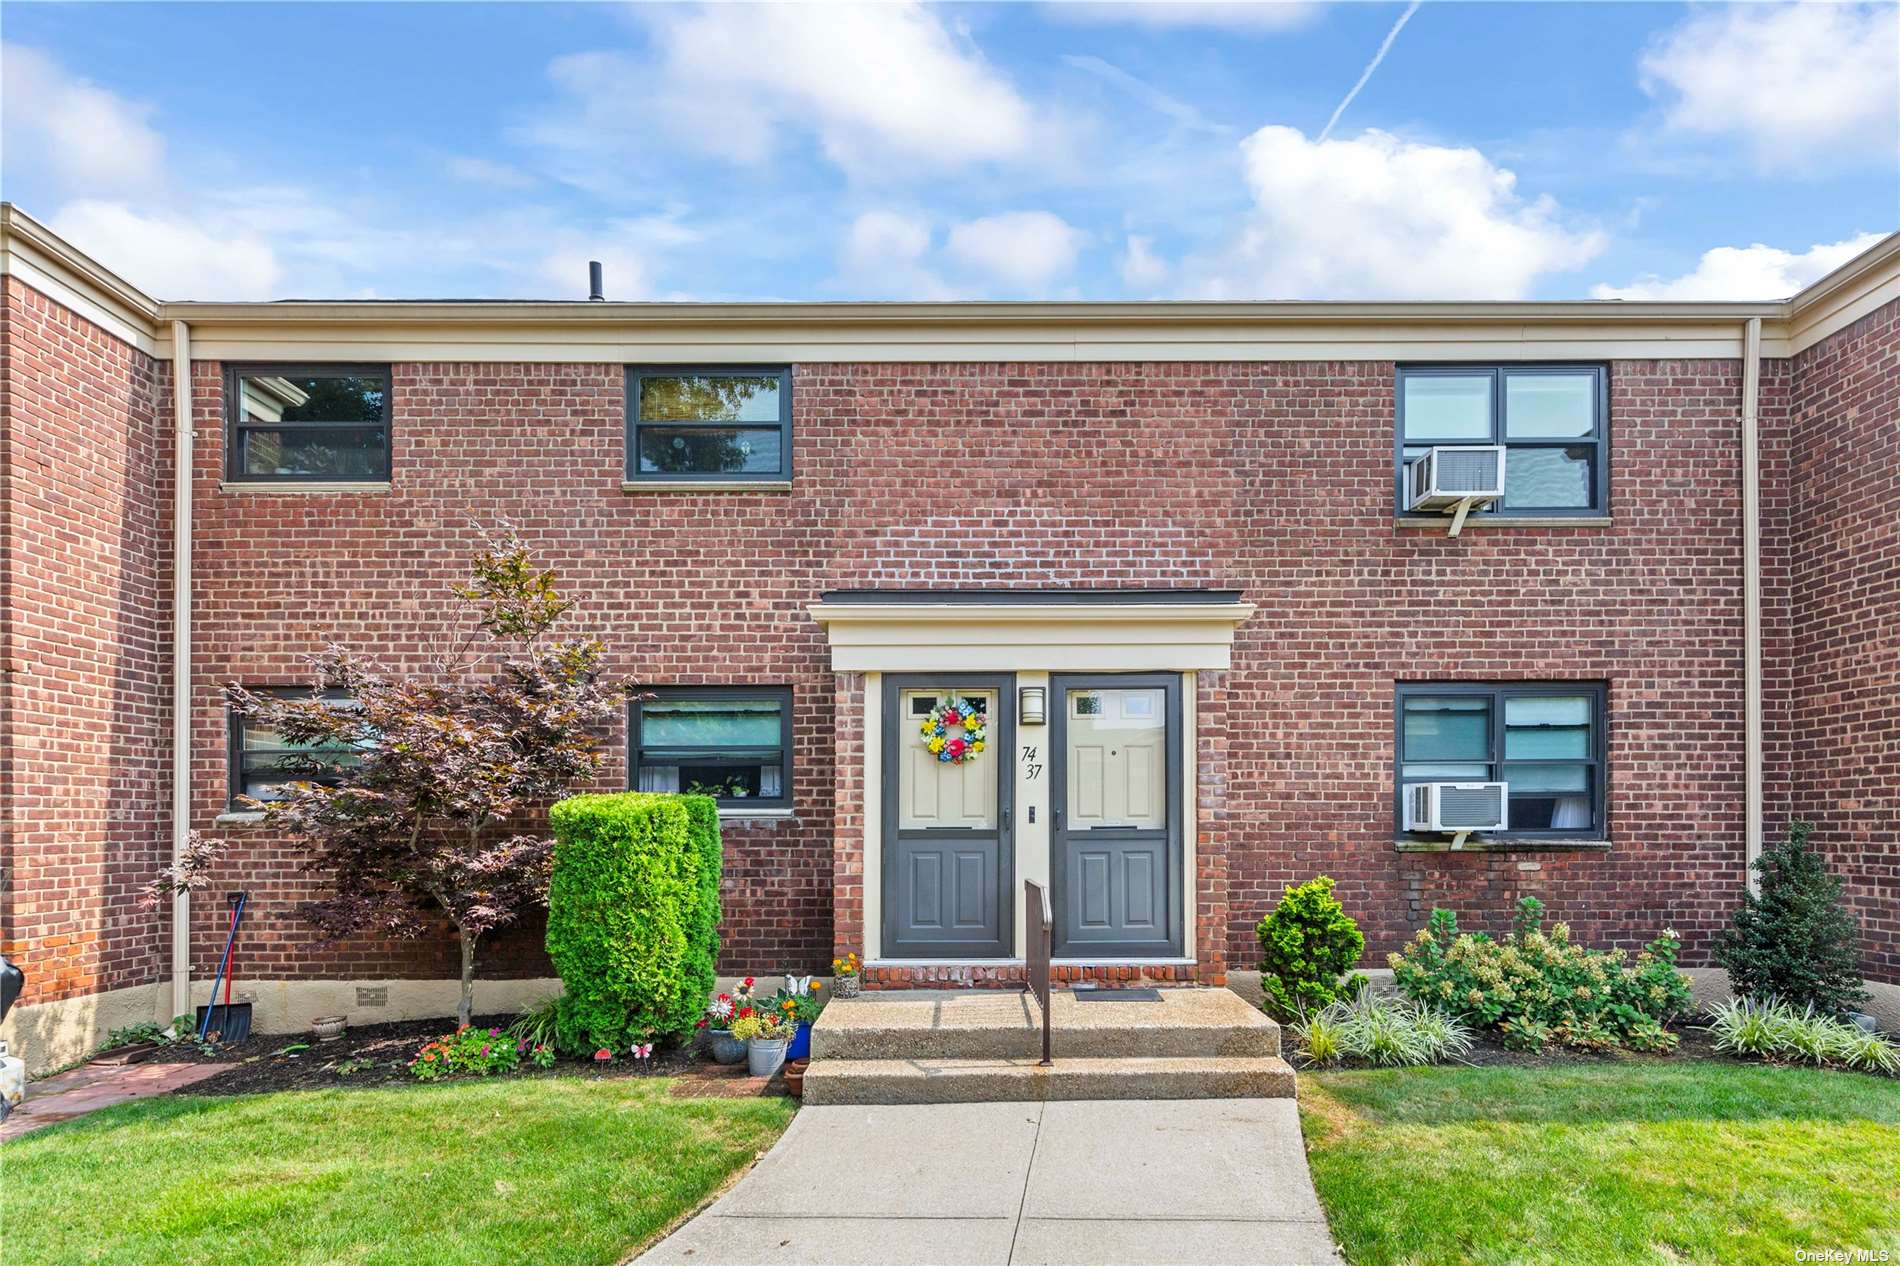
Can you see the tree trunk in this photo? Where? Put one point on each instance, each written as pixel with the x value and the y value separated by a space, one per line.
pixel 466 1007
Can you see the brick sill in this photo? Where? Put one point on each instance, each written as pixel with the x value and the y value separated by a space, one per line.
pixel 756 815
pixel 1504 521
pixel 1504 845
pixel 711 485
pixel 302 489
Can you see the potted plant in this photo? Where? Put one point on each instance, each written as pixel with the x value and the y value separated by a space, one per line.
pixel 795 1077
pixel 718 1018
pixel 798 1005
pixel 844 976
pixel 766 1037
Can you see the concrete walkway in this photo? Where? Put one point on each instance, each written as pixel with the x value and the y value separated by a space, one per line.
pixel 1141 1182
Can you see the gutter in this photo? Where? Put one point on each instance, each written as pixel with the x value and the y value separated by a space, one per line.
pixel 1751 599
pixel 183 424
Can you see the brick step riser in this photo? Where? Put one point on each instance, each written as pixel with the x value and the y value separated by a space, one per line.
pixel 1184 1043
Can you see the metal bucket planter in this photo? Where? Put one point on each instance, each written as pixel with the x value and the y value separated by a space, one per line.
pixel 726 1049
pixel 763 1057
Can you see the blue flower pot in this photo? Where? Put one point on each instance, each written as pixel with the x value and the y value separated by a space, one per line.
pixel 801 1044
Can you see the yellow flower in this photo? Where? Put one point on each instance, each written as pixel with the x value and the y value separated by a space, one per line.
pixel 926 727
pixel 977 746
pixel 936 744
pixel 816 985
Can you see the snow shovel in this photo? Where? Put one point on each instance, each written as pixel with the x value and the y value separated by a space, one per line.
pixel 231 1021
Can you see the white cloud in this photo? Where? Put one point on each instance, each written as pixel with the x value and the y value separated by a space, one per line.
pixel 1745 272
pixel 1381 217
pixel 1142 270
pixel 1019 250
pixel 629 251
pixel 884 255
pixel 486 171
pixel 1797 82
pixel 1239 16
pixel 882 88
pixel 86 139
pixel 170 255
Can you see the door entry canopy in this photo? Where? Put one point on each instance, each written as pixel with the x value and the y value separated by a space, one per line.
pixel 1005 630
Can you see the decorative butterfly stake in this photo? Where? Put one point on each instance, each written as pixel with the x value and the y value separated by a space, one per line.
pixel 643 1052
pixel 798 985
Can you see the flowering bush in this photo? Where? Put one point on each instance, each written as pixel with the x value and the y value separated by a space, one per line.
pixel 798 1001
pixel 1536 987
pixel 477 1051
pixel 761 1026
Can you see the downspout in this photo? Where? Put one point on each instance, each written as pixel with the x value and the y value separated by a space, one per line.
pixel 1751 597
pixel 183 423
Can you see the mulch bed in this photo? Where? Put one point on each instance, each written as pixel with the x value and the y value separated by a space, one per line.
pixel 379 1055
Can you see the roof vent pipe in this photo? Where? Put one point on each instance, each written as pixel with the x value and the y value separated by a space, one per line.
pixel 593 282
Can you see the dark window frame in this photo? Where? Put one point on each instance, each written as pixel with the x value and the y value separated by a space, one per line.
pixel 1497 692
pixel 783 694
pixel 1497 373
pixel 234 423
pixel 636 380
pixel 235 722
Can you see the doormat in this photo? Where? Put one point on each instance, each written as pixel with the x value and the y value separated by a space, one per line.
pixel 1117 995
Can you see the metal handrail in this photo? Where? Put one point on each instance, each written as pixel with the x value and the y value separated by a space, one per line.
pixel 1039 925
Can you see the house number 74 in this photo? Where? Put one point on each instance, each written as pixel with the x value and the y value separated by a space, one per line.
pixel 1031 770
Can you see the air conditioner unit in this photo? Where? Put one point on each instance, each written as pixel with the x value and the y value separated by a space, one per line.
pixel 1457 808
pixel 1455 479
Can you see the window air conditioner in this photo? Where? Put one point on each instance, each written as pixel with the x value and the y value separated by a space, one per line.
pixel 1455 479
pixel 1457 808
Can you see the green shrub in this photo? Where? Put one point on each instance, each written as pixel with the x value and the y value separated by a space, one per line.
pixel 633 915
pixel 1382 1030
pixel 467 1051
pixel 1768 1028
pixel 1308 945
pixel 1794 940
pixel 539 1025
pixel 1536 987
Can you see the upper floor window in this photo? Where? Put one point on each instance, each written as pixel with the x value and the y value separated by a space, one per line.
pixel 307 423
pixel 262 760
pixel 1553 421
pixel 730 742
pixel 1546 741
pixel 723 425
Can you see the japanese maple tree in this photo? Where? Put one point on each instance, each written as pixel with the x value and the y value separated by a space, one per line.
pixel 441 808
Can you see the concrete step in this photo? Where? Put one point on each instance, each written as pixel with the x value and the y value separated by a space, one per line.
pixel 998 1024
pixel 863 1081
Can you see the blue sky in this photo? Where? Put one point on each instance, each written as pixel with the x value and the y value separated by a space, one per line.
pixel 1096 151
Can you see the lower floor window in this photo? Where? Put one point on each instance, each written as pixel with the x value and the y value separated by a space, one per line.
pixel 263 761
pixel 1546 741
pixel 733 743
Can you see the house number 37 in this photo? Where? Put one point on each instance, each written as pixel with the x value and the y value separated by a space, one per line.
pixel 1032 770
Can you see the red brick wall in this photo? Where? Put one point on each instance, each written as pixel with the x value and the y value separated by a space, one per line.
pixel 1275 478
pixel 1844 692
pixel 84 596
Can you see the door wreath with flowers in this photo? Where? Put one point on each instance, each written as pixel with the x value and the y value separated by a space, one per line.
pixel 956 729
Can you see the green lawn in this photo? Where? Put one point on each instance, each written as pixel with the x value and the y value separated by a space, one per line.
pixel 1697 1161
pixel 542 1170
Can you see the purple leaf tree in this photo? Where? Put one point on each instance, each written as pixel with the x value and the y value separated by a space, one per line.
pixel 440 806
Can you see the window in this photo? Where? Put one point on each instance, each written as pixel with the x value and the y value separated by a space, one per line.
pixel 262 761
pixel 307 423
pixel 709 425
pixel 1553 421
pixel 1545 740
pixel 730 742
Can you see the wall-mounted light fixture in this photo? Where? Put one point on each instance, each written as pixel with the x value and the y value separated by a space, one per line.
pixel 1031 706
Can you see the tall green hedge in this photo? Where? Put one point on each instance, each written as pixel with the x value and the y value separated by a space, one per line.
pixel 633 915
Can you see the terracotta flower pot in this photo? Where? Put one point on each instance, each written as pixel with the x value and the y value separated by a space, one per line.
pixel 795 1077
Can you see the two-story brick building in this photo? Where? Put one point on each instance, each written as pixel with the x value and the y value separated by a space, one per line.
pixel 1159 557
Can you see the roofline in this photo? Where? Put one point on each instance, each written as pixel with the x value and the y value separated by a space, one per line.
pixel 41 257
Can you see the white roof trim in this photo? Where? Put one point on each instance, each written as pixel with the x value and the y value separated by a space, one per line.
pixel 980 637
pixel 1171 330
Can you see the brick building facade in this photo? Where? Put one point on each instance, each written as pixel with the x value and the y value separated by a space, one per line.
pixel 1201 494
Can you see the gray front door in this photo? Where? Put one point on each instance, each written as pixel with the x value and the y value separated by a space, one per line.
pixel 1116 834
pixel 949 859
